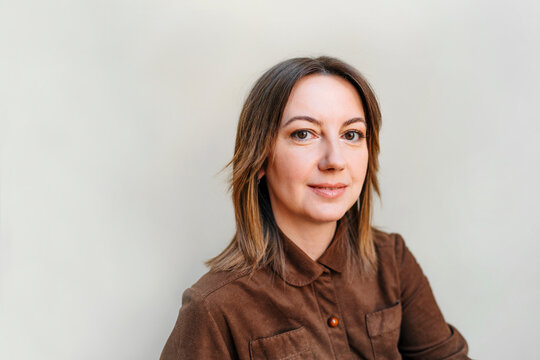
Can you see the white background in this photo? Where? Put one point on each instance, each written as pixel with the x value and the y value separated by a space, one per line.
pixel 116 117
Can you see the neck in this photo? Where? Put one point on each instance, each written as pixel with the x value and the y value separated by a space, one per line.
pixel 313 239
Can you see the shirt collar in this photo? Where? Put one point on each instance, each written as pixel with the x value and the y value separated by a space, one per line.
pixel 301 270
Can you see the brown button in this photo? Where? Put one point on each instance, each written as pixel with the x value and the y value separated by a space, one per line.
pixel 333 321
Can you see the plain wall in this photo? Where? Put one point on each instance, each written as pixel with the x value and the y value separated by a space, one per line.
pixel 116 117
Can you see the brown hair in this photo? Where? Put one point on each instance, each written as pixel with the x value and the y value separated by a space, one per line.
pixel 257 242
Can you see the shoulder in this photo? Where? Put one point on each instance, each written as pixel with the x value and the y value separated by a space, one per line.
pixel 388 242
pixel 396 258
pixel 209 298
pixel 200 331
pixel 218 298
pixel 392 252
pixel 215 281
pixel 223 291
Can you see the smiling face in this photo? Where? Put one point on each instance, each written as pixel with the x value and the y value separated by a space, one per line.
pixel 317 167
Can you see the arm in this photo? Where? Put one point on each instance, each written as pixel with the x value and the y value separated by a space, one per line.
pixel 196 334
pixel 425 335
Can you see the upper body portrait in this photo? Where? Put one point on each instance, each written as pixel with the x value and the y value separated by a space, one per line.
pixel 307 276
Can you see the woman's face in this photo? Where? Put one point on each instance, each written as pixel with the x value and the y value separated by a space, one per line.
pixel 317 168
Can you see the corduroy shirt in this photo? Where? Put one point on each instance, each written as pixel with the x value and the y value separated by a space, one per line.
pixel 316 310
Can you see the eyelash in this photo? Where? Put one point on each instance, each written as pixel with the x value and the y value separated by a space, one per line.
pixel 360 134
pixel 294 134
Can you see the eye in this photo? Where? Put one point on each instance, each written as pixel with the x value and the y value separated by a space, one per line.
pixel 353 135
pixel 302 135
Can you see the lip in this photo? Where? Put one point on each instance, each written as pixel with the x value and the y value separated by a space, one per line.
pixel 327 190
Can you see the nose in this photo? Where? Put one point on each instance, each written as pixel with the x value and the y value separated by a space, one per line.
pixel 332 156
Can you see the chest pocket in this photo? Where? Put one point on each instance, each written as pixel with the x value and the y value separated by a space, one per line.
pixel 383 329
pixel 290 345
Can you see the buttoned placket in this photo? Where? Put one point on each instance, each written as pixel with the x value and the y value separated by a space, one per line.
pixel 330 313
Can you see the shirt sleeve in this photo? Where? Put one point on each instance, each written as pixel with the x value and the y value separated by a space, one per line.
pixel 425 335
pixel 196 334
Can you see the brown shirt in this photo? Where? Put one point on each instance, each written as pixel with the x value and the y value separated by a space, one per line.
pixel 312 311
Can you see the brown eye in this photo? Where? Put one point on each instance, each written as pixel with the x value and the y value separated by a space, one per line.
pixel 353 135
pixel 301 135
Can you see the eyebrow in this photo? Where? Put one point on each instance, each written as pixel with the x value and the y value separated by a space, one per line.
pixel 317 122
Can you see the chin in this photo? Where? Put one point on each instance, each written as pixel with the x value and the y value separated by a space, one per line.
pixel 329 212
pixel 328 216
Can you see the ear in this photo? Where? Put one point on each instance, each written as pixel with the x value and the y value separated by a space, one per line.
pixel 260 174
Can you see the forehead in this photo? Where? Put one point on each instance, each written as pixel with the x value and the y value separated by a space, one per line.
pixel 324 96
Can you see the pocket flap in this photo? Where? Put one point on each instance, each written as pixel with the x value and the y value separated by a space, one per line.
pixel 384 320
pixel 282 346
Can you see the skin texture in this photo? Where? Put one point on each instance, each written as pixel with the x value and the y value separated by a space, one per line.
pixel 320 144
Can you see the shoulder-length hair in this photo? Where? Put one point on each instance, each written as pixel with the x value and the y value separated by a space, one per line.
pixel 257 241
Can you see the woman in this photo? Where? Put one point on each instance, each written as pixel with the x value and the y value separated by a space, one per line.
pixel 306 276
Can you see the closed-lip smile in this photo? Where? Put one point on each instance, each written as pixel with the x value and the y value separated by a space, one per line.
pixel 328 190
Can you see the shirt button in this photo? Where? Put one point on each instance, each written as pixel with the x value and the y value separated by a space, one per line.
pixel 333 321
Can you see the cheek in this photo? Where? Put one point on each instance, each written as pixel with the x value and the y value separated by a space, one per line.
pixel 359 166
pixel 290 166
